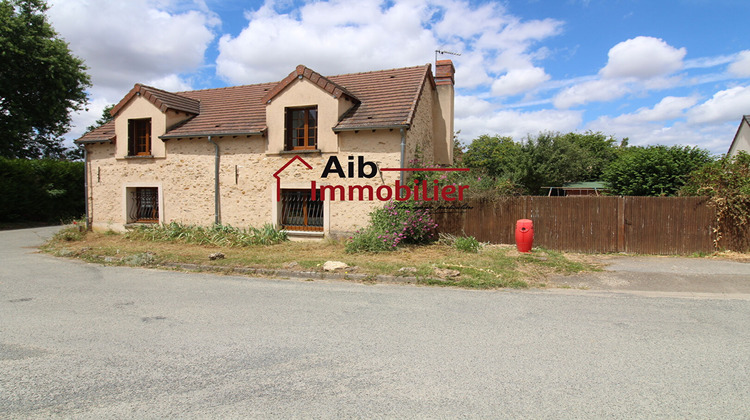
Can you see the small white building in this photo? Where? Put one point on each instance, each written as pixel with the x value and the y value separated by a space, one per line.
pixel 741 140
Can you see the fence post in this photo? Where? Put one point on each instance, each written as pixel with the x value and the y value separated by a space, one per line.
pixel 621 224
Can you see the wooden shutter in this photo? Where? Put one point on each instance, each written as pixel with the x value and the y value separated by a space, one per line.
pixel 131 138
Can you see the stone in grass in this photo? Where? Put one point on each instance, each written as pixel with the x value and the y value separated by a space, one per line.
pixel 334 265
pixel 446 273
pixel 407 270
pixel 216 256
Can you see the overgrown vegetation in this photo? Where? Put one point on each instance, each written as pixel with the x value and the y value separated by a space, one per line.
pixel 501 166
pixel 727 183
pixel 461 243
pixel 396 224
pixel 41 190
pixel 653 170
pixel 548 159
pixel 216 235
pixel 494 266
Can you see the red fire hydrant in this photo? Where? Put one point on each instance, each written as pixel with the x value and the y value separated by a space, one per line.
pixel 524 235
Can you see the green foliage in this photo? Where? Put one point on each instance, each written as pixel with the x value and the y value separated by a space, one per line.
pixel 727 182
pixel 653 170
pixel 397 223
pixel 467 244
pixel 216 235
pixel 461 243
pixel 367 240
pixel 41 82
pixel 41 190
pixel 72 233
pixel 549 159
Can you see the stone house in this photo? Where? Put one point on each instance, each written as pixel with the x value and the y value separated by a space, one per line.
pixel 247 155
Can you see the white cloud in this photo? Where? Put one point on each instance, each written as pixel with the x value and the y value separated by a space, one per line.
pixel 124 42
pixel 467 106
pixel 591 91
pixel 517 124
pixel 171 83
pixel 518 81
pixel 643 57
pixel 741 66
pixel 357 36
pixel 713 137
pixel 669 108
pixel 725 105
pixel 340 36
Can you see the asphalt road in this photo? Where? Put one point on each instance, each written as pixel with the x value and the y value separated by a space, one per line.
pixel 87 341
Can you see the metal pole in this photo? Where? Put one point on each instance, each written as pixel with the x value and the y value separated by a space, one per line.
pixel 217 206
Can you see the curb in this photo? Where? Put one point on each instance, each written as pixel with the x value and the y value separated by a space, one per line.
pixel 380 278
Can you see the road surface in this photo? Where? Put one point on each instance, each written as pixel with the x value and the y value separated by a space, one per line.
pixel 88 341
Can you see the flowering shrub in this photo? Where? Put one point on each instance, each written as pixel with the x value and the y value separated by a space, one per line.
pixel 395 224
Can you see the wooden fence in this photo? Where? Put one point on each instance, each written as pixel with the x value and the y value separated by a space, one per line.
pixel 648 225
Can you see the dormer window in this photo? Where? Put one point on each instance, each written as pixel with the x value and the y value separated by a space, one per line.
pixel 139 137
pixel 301 128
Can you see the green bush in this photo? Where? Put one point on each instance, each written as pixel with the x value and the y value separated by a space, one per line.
pixel 367 240
pixel 216 235
pixel 397 223
pixel 41 190
pixel 467 244
pixel 70 234
pixel 461 243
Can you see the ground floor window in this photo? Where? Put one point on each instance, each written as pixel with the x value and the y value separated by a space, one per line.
pixel 300 212
pixel 145 205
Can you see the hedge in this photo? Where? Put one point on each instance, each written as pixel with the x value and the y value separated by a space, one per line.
pixel 41 190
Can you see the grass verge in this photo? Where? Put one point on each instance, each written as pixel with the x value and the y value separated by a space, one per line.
pixel 494 266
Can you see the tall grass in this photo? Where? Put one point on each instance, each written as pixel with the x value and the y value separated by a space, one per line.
pixel 216 235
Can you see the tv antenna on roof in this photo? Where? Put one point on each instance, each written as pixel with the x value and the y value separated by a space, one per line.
pixel 444 52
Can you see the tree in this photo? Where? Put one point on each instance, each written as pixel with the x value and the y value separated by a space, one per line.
pixel 547 160
pixel 497 156
pixel 726 182
pixel 41 82
pixel 653 170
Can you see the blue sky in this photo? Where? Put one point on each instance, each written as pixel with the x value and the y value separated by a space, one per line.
pixel 657 72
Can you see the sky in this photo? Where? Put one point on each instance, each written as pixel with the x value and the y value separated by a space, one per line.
pixel 671 72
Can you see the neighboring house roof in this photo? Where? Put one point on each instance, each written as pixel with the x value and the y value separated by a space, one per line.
pixel 382 99
pixel 746 121
pixel 102 134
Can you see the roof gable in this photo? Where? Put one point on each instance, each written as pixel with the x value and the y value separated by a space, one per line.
pixel 321 81
pixel 744 122
pixel 161 99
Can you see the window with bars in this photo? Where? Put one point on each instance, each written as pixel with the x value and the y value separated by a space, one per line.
pixel 301 128
pixel 139 137
pixel 145 205
pixel 300 212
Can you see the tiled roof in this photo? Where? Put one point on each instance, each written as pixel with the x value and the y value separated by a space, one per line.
pixel 388 98
pixel 102 134
pixel 161 99
pixel 231 110
pixel 383 99
pixel 323 82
